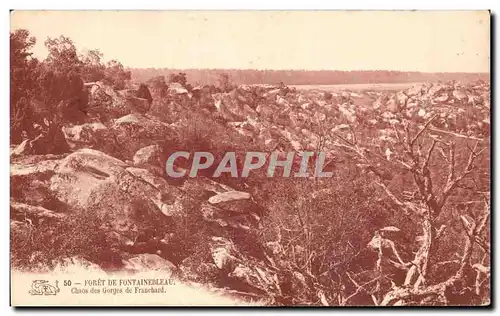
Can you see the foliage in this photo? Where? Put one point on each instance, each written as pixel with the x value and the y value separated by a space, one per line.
pixel 159 86
pixel 180 77
pixel 143 92
pixel 42 245
pixel 22 84
pixel 94 68
pixel 116 75
pixel 225 84
pixel 50 92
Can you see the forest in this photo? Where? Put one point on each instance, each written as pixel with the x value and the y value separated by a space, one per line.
pixel 304 77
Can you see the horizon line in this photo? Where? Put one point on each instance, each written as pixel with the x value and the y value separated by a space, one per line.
pixel 311 70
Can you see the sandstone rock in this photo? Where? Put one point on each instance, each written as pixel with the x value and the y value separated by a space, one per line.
pixel 257 278
pixel 271 94
pixel 211 214
pixel 22 149
pixel 459 94
pixel 302 99
pixel 436 89
pixel 176 88
pixel 223 253
pixel 229 196
pixel 345 96
pixel 442 97
pixel 392 105
pixel 227 218
pixel 22 211
pixel 136 131
pixel 107 102
pixel 30 181
pixel 414 90
pixel 100 93
pixel 281 101
pixel 348 114
pixel 377 104
pixel 90 135
pixel 139 105
pixel 91 180
pixel 150 156
pixel 147 262
pixel 401 98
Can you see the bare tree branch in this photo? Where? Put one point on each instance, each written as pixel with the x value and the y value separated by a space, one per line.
pixel 426 125
pixel 437 130
pixel 428 156
pixel 453 180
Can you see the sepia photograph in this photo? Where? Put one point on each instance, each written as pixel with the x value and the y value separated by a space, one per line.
pixel 250 158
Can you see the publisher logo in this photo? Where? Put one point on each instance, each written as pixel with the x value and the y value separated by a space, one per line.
pixel 43 287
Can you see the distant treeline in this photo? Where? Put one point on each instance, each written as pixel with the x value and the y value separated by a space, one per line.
pixel 298 77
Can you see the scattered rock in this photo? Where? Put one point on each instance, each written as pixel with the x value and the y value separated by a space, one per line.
pixel 229 196
pixel 22 149
pixel 90 135
pixel 147 262
pixel 136 131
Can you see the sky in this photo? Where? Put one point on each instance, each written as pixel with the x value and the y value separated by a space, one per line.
pixel 426 41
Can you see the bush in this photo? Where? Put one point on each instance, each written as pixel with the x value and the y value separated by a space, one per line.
pixel 79 234
pixel 143 92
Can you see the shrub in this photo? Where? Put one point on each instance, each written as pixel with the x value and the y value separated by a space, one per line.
pixel 78 234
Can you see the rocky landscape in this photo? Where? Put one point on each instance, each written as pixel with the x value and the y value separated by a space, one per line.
pixel 102 199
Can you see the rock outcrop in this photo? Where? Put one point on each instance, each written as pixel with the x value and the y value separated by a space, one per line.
pixel 203 230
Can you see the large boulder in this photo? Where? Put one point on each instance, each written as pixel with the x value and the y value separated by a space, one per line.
pixel 246 273
pixel 392 105
pixel 436 89
pixel 90 135
pixel 459 94
pixel 415 90
pixel 235 209
pixel 106 102
pixel 138 210
pixel 441 98
pixel 109 103
pixel 401 98
pixel 128 205
pixel 135 131
pixel 151 158
pixel 139 105
pixel 22 149
pixel 224 254
pixel 150 263
pixel 23 211
pixel 176 88
pixel 224 206
pixel 30 181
